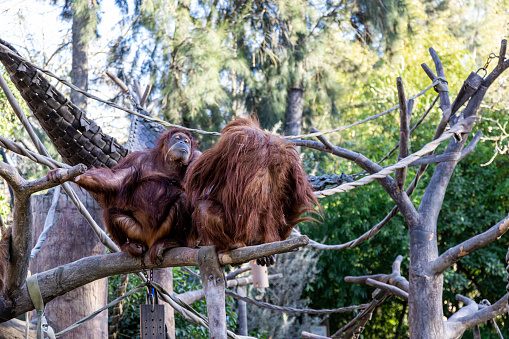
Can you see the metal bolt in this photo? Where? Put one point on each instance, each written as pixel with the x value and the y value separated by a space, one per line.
pixel 218 279
pixel 211 277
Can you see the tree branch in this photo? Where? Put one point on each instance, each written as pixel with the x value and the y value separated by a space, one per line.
pixel 452 255
pixel 445 102
pixel 404 135
pixel 44 183
pixel 463 320
pixel 400 198
pixel 394 279
pixel 359 159
pixel 21 245
pixel 388 288
pixel 67 277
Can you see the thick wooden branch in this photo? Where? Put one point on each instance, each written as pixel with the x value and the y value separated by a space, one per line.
pixel 502 66
pixel 394 279
pixel 359 159
pixel 246 254
pixel 388 288
pixel 428 71
pixel 67 175
pixel 67 277
pixel 400 198
pixel 404 135
pixel 11 175
pixel 452 255
pixel 501 54
pixel 465 319
pixel 21 244
pixel 445 102
pixel 214 288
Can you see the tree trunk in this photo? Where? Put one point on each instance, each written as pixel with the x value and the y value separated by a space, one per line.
pixel 293 116
pixel 164 277
pixel 79 73
pixel 70 239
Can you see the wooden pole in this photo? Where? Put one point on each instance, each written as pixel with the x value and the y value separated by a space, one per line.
pixel 242 309
pixel 214 285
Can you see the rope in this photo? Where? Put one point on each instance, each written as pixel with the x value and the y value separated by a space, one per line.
pixel 486 302
pixel 411 130
pixel 295 310
pixel 92 315
pixel 184 309
pixel 50 217
pixel 5 49
pixel 109 103
pixel 338 129
pixel 460 127
pixel 18 149
pixel 352 243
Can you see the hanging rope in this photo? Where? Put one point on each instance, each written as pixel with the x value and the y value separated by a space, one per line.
pixel 7 50
pixel 50 217
pixel 459 128
pixel 295 310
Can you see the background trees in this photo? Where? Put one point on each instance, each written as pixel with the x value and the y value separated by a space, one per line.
pixel 209 61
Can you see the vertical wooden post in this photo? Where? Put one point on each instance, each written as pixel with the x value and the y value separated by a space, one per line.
pixel 241 305
pixel 214 285
pixel 164 277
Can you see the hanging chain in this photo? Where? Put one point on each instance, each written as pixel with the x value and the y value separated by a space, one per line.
pixel 485 67
pixel 151 294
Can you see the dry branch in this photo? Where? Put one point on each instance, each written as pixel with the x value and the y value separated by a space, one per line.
pixel 404 135
pixel 393 279
pixel 453 254
pixel 473 314
pixel 67 277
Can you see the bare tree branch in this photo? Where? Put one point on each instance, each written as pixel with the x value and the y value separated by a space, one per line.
pixel 445 103
pixel 404 135
pixel 44 183
pixel 401 198
pixel 453 254
pixel 388 288
pixel 463 320
pixel 20 150
pixel 394 279
pixel 359 159
pixel 67 277
pixel 21 245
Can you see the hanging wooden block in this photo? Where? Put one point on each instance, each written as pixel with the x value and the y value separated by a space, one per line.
pixel 152 322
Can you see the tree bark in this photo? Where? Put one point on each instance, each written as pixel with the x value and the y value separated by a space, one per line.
pixel 70 239
pixel 15 329
pixel 79 72
pixel 293 115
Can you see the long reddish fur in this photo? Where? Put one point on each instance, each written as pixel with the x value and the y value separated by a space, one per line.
pixel 250 188
pixel 152 194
